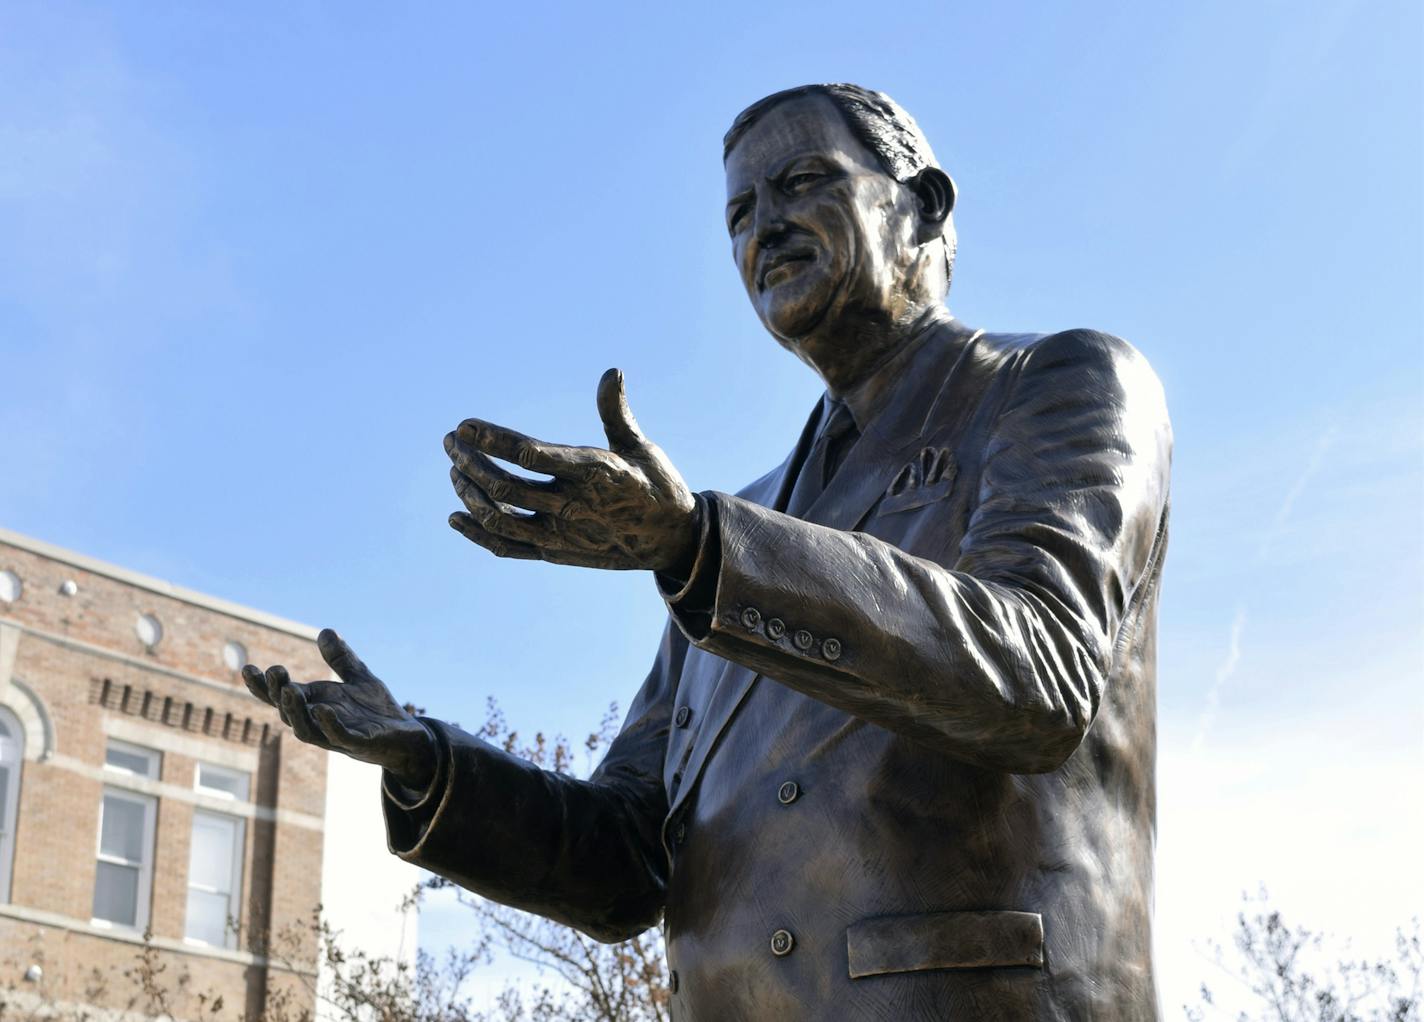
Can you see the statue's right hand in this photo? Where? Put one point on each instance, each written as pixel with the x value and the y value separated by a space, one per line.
pixel 357 716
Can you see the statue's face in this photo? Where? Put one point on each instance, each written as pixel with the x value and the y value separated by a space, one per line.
pixel 817 226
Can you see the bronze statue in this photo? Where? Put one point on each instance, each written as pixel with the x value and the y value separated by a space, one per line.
pixel 895 755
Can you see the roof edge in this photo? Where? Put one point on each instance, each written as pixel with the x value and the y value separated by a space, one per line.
pixel 156 585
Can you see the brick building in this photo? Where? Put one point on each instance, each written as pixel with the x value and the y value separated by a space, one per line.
pixel 143 789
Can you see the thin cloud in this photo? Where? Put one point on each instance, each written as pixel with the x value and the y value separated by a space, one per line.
pixel 1278 521
pixel 1227 668
pixel 1224 672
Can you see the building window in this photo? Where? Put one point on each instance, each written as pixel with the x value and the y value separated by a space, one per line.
pixel 125 870
pixel 149 631
pixel 12 752
pixel 124 874
pixel 234 655
pixel 214 879
pixel 132 760
pixel 222 782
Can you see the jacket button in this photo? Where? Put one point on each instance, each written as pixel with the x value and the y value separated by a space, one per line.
pixel 751 617
pixel 672 981
pixel 775 628
pixel 782 942
pixel 789 792
pixel 831 649
pixel 676 778
pixel 683 715
pixel 802 640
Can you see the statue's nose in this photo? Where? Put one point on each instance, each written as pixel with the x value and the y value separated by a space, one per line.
pixel 771 231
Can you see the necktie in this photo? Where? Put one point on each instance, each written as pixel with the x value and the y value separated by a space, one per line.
pixel 838 434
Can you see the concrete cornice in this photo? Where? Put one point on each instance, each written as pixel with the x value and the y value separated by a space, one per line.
pixel 156 585
pixel 226 687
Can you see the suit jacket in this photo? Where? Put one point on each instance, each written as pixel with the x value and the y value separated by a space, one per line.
pixel 894 760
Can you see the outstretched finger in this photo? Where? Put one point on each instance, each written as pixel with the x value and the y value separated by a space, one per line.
pixel 552 538
pixel 501 546
pixel 481 507
pixel 502 519
pixel 506 487
pixel 477 534
pixel 298 716
pixel 276 679
pixel 618 422
pixel 556 460
pixel 340 657
pixel 256 683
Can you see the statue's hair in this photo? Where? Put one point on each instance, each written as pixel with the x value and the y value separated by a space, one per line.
pixel 881 124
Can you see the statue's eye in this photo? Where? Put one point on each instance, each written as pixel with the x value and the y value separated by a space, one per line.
pixel 800 182
pixel 738 215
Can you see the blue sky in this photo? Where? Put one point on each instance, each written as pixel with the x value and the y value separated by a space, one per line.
pixel 255 260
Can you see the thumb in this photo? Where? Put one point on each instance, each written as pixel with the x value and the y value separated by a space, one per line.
pixel 618 422
pixel 341 658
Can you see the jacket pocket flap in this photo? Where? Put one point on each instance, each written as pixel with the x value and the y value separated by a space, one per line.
pixel 944 940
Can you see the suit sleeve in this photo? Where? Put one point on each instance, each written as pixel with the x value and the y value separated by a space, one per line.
pixel 1001 657
pixel 585 853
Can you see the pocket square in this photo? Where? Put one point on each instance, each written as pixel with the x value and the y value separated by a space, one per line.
pixel 923 481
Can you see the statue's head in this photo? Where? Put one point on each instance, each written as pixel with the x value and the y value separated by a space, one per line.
pixel 837 210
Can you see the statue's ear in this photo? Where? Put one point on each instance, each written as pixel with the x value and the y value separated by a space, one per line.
pixel 935 190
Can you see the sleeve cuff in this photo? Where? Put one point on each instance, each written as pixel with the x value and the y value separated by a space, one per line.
pixel 692 601
pixel 409 799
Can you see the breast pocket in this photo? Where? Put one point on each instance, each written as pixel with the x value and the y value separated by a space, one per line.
pixel 927 478
pixel 911 499
pixel 923 511
pixel 944 940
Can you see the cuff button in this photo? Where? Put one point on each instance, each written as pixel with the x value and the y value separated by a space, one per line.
pixel 775 628
pixel 802 640
pixel 751 617
pixel 831 649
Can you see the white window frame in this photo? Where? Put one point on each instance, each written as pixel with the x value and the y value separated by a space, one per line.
pixel 145 864
pixel 234 891
pixel 12 754
pixel 153 756
pixel 240 775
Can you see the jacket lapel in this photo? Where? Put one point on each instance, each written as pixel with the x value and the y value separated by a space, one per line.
pixel 897 432
pixel 869 468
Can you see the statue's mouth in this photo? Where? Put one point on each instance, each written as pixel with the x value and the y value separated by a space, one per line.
pixel 784 265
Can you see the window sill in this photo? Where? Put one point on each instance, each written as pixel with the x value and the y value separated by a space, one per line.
pixel 202 945
pixel 109 931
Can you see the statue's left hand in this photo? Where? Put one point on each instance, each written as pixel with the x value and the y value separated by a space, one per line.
pixel 625 507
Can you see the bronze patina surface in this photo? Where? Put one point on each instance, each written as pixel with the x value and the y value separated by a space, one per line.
pixel 895 755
